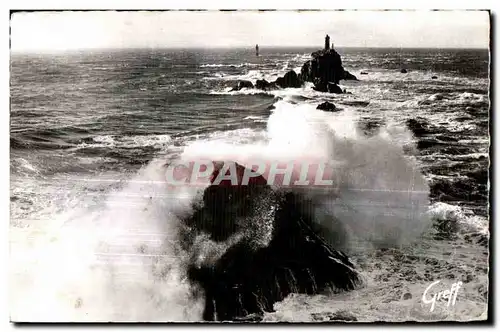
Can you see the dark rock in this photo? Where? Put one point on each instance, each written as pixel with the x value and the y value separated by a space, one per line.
pixel 326 66
pixel 248 279
pixel 348 76
pixel 334 88
pixel 403 71
pixel 320 86
pixel 434 77
pixel 290 80
pixel 264 85
pixel 326 106
pixel 224 201
pixel 364 73
pixel 242 84
pixel 327 87
pixel 407 296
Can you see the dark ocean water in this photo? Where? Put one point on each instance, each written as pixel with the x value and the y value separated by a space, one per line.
pixel 87 126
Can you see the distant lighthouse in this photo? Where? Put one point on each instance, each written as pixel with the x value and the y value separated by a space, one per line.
pixel 327 43
pixel 257 49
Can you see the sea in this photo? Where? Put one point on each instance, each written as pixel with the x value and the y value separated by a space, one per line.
pixel 93 225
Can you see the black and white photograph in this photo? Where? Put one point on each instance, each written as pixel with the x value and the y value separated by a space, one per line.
pixel 249 166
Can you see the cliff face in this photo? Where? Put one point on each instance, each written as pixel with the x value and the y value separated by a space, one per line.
pixel 325 70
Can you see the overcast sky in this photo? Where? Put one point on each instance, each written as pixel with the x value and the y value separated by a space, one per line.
pixel 46 31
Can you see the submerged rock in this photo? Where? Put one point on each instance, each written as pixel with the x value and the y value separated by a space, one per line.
pixel 326 106
pixel 248 279
pixel 434 77
pixel 404 71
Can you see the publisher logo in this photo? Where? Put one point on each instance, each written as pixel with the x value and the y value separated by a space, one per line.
pixel 304 173
pixel 431 296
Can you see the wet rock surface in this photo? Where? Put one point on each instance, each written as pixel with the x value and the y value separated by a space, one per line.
pixel 248 279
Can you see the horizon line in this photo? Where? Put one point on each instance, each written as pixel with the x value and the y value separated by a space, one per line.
pixel 250 47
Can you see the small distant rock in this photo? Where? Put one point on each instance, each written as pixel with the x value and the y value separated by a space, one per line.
pixel 242 84
pixel 403 71
pixel 434 77
pixel 364 73
pixel 263 85
pixel 326 106
pixel 407 296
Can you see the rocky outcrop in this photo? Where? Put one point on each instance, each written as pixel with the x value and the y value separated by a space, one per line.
pixel 290 80
pixel 323 69
pixel 249 278
pixel 326 106
pixel 328 87
pixel 241 85
pixel 404 71
pixel 264 85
